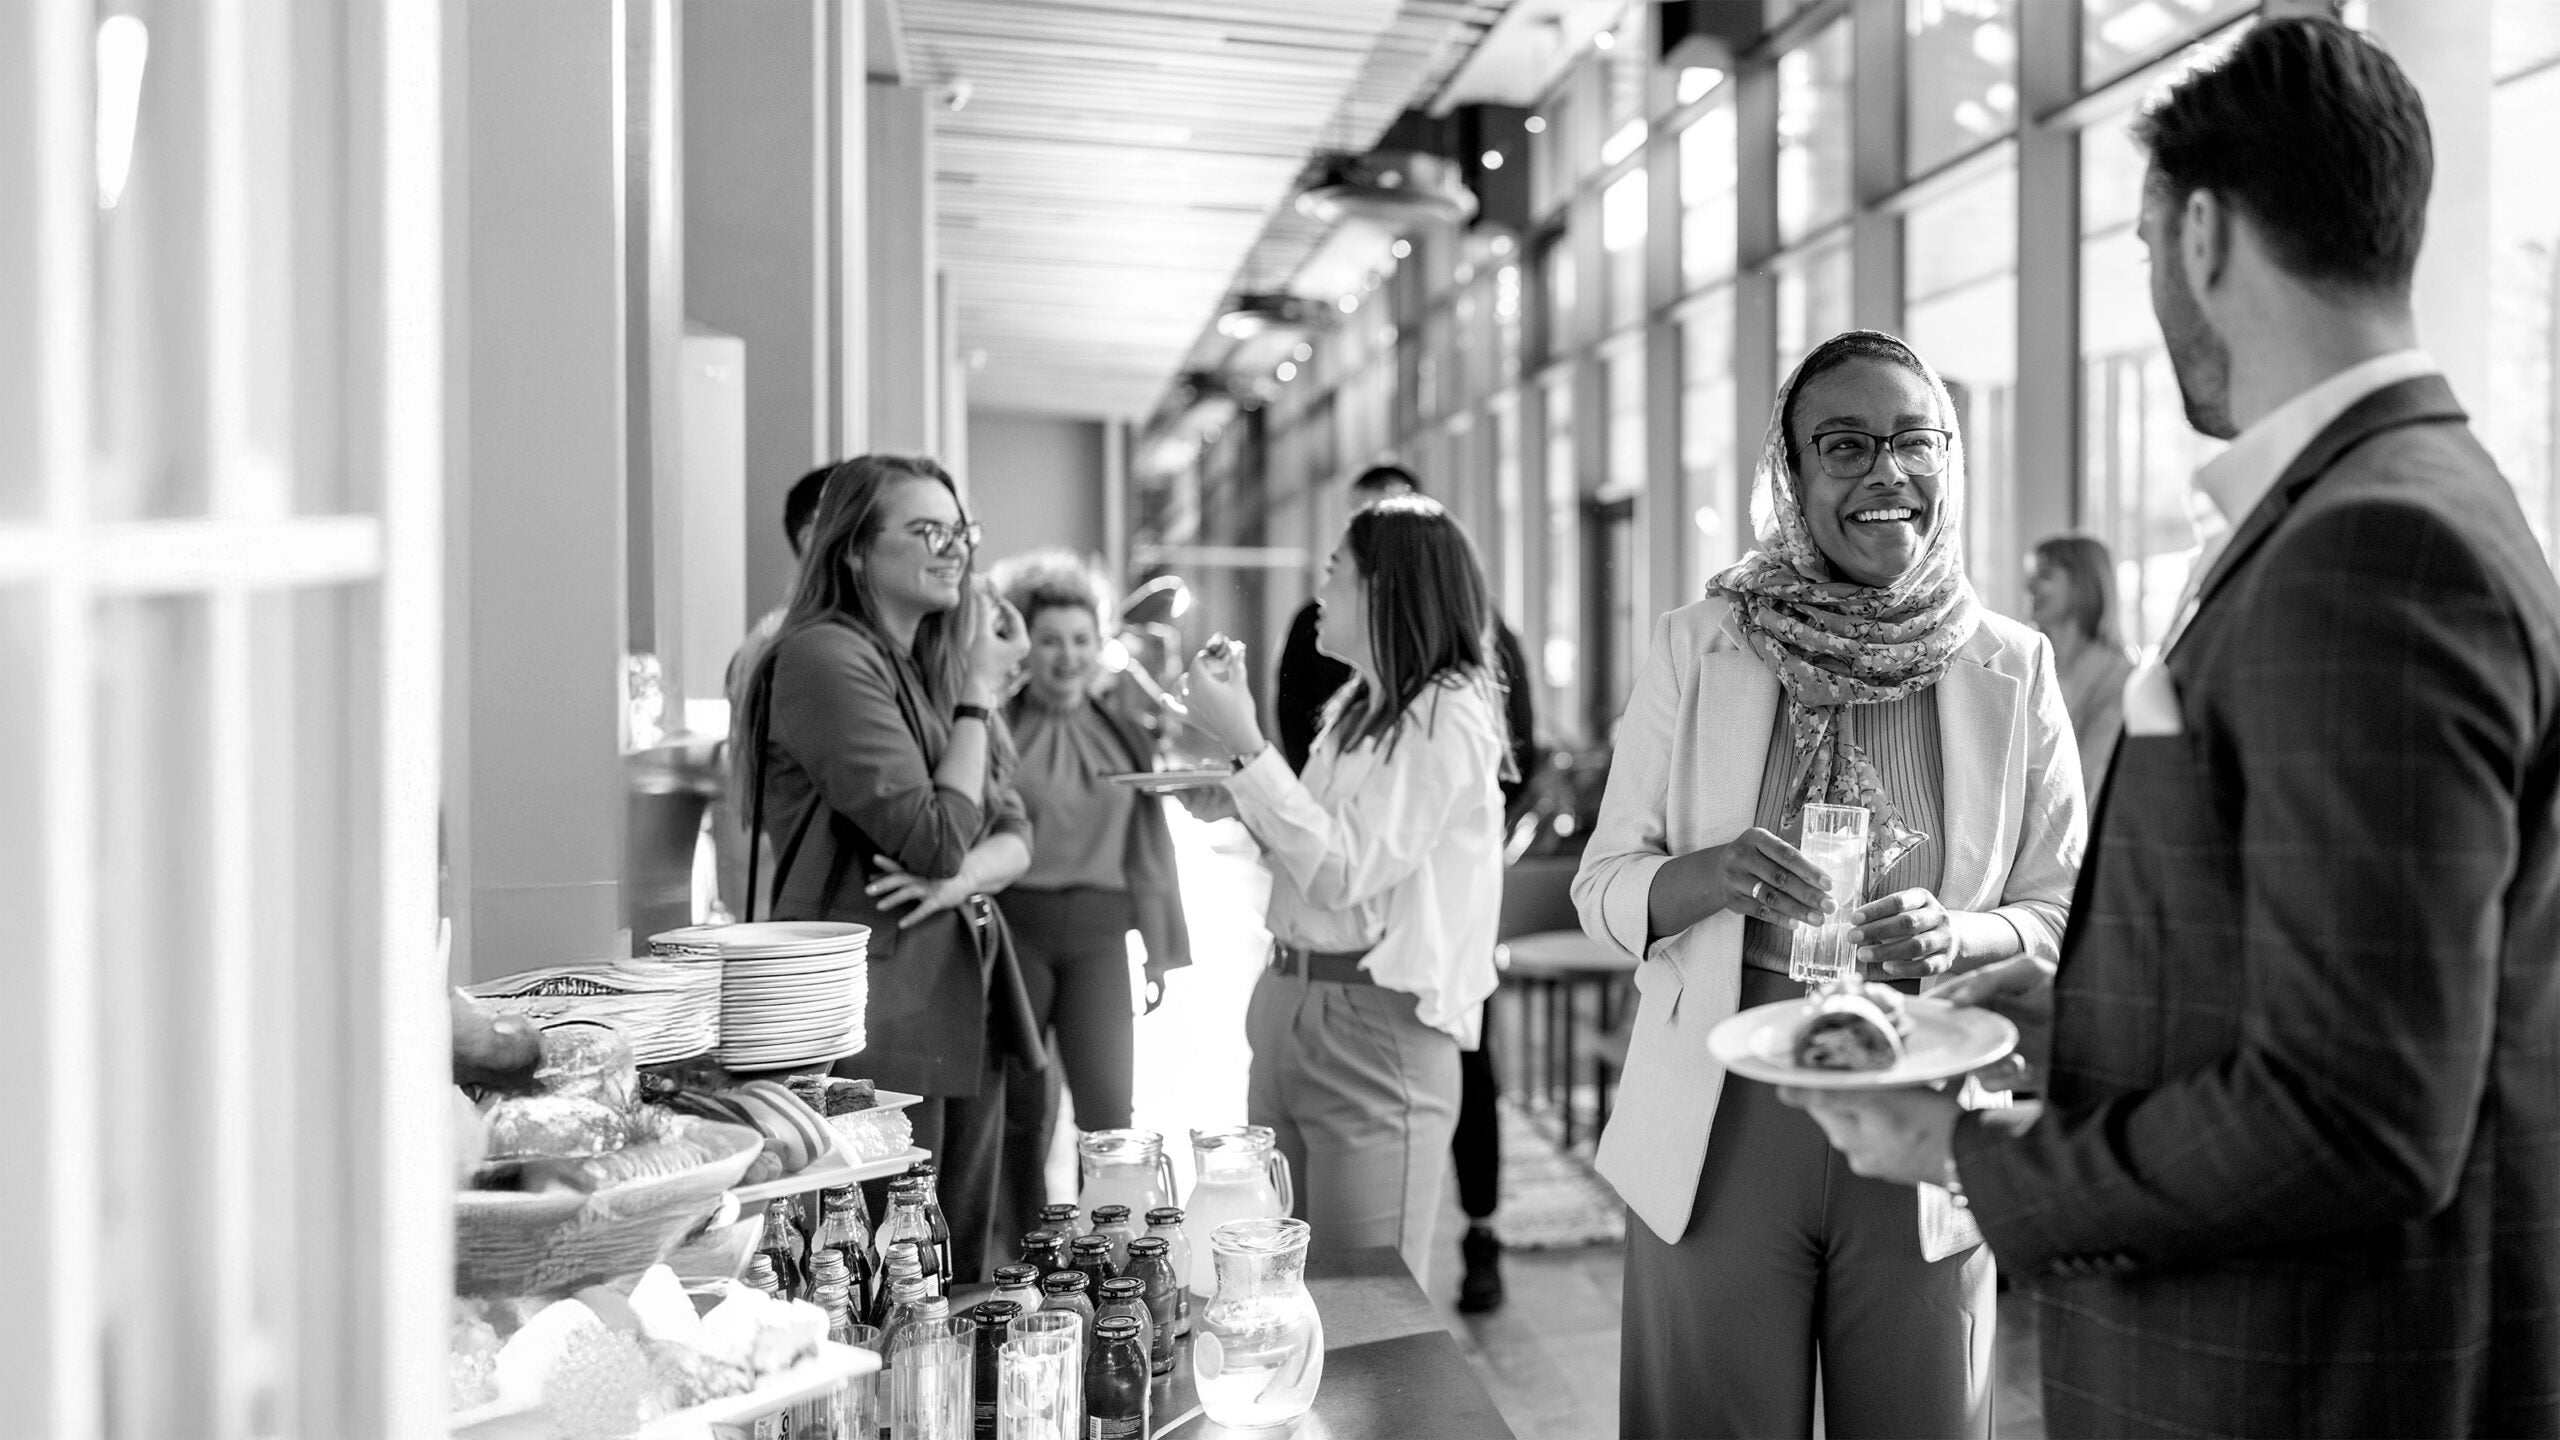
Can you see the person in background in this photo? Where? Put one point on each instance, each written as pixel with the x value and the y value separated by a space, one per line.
pixel 1845 661
pixel 2071 597
pixel 727 817
pixel 882 776
pixel 1102 865
pixel 1306 683
pixel 2295 1170
pixel 1386 875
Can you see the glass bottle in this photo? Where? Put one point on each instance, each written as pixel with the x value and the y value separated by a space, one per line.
pixel 921 1309
pixel 1062 1218
pixel 1258 1353
pixel 1115 1383
pixel 830 1288
pixel 909 1219
pixel 1152 1266
pixel 1127 1295
pixel 1092 1255
pixel 783 1245
pixel 1046 1249
pixel 1165 1223
pixel 1113 1221
pixel 1070 1291
pixel 760 1275
pixel 1019 1284
pixel 941 1229
pixel 993 1316
pixel 904 1284
pixel 844 1226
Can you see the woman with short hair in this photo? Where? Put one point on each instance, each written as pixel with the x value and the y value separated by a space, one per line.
pixel 1101 863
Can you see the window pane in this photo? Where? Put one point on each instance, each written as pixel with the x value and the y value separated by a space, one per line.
pixel 1813 133
pixel 1962 85
pixel 1622 227
pixel 1710 491
pixel 1555 151
pixel 2141 454
pixel 1622 67
pixel 2519 425
pixel 2523 35
pixel 1624 376
pixel 1813 297
pixel 1562 656
pixel 2116 35
pixel 1707 205
pixel 1556 284
pixel 1960 311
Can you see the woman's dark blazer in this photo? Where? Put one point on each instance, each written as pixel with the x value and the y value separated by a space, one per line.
pixel 849 758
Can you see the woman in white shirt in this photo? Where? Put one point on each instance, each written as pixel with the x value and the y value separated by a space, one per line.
pixel 1386 861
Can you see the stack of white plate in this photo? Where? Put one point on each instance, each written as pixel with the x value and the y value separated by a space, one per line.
pixel 792 992
pixel 666 1011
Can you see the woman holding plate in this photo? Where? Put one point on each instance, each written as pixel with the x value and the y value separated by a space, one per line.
pixel 1847 662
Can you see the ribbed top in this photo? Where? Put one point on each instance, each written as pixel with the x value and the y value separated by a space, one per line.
pixel 1901 737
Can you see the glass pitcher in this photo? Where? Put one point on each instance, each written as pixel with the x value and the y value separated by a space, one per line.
pixel 1124 1167
pixel 1239 1174
pixel 1257 1354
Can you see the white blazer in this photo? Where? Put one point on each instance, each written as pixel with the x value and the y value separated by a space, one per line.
pixel 1686 775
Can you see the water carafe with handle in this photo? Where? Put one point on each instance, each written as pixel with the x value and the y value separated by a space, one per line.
pixel 1238 1174
pixel 1257 1355
pixel 1124 1167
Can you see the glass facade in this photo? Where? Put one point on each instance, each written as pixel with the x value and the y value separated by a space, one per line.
pixel 1524 374
pixel 1963 78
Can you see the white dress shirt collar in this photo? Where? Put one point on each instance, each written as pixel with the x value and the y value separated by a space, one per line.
pixel 2238 478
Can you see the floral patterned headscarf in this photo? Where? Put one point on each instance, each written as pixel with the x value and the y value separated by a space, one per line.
pixel 1835 643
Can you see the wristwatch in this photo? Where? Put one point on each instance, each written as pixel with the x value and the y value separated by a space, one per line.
pixel 966 711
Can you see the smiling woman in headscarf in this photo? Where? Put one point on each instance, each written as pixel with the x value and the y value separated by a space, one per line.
pixel 1845 661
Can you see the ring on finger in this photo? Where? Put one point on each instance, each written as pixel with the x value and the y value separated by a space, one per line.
pixel 1757 886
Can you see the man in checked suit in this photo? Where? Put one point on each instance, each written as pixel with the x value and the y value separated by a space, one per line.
pixel 2299 1172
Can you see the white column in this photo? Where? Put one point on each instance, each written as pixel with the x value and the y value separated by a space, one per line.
pixel 535 790
pixel 905 359
pixel 2445 50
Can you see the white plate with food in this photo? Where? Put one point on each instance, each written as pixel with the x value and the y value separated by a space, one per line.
pixel 1932 1041
pixel 1155 781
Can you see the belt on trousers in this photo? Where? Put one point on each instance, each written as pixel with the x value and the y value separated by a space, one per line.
pixel 1339 967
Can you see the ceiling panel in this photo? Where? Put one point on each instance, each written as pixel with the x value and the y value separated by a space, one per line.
pixel 1118 161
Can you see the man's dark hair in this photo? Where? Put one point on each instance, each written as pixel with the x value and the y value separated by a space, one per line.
pixel 1380 477
pixel 801 505
pixel 2314 133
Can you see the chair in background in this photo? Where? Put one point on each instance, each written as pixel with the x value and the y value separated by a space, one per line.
pixel 1549 964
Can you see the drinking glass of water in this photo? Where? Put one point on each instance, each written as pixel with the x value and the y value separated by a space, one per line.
pixel 1835 840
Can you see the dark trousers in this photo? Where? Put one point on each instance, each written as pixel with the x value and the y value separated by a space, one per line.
pixel 1790 1260
pixel 1073 945
pixel 1478 1145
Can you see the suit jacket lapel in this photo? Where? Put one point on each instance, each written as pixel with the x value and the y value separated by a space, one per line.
pixel 2420 398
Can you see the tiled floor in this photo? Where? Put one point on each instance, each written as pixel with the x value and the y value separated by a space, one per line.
pixel 1549 1357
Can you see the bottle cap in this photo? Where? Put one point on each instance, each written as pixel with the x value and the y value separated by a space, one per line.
pixel 1050 1213
pixel 1110 1214
pixel 835 1195
pixel 994 1313
pixel 1147 1246
pixel 1091 1245
pixel 1010 1276
pixel 1114 1329
pixel 828 1267
pixel 1064 1282
pixel 1165 1215
pixel 1124 1286
pixel 922 1170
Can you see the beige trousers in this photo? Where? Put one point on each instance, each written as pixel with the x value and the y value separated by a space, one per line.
pixel 1364 1100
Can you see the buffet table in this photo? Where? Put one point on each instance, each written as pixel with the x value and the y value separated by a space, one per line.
pixel 1391 1369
